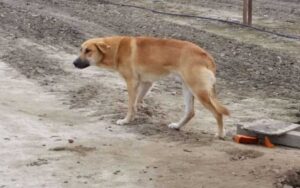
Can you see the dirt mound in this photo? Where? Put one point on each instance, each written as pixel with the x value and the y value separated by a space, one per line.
pixel 239 155
pixel 289 178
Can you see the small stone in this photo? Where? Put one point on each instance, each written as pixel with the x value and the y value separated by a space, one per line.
pixel 276 171
pixel 148 113
pixel 70 141
pixel 117 172
pixel 186 150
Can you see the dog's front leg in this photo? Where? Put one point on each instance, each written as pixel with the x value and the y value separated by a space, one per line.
pixel 132 87
pixel 143 89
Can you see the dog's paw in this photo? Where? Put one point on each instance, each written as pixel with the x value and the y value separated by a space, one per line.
pixel 122 121
pixel 144 105
pixel 220 135
pixel 174 126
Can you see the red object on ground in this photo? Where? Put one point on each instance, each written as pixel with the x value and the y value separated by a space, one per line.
pixel 268 143
pixel 245 139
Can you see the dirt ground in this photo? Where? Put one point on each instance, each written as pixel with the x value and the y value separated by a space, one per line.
pixel 58 123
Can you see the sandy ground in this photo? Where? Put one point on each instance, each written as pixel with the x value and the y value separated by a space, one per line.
pixel 58 123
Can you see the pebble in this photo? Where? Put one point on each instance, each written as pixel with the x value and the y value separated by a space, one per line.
pixel 117 172
pixel 186 150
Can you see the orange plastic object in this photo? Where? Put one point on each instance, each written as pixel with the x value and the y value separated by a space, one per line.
pixel 268 143
pixel 245 139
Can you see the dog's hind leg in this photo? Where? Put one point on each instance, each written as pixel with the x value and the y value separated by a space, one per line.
pixel 189 108
pixel 143 89
pixel 210 103
pixel 203 88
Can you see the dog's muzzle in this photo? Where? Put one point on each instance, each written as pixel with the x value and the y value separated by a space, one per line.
pixel 81 64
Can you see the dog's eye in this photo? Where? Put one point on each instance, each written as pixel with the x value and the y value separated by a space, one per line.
pixel 87 50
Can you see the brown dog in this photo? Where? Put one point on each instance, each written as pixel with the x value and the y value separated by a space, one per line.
pixel 143 60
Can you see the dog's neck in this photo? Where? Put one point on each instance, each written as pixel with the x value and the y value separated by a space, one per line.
pixel 110 59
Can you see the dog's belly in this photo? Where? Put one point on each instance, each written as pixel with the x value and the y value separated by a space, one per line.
pixel 148 77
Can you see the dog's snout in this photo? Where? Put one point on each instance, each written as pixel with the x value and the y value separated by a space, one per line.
pixel 81 64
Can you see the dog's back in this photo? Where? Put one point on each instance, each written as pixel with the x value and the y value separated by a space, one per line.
pixel 162 56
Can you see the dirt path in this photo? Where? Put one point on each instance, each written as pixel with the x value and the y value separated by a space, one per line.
pixel 45 104
pixel 59 147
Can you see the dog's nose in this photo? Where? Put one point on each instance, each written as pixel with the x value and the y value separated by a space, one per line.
pixel 78 63
pixel 75 63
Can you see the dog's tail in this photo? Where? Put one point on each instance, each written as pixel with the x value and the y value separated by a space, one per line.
pixel 202 81
pixel 217 105
pixel 208 77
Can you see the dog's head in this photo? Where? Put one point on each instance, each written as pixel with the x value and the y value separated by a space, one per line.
pixel 92 52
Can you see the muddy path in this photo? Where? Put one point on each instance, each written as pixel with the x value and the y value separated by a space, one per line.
pixel 40 39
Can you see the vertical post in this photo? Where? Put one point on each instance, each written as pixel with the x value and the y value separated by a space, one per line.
pixel 247 12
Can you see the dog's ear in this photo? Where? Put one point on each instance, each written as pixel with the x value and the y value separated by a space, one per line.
pixel 102 47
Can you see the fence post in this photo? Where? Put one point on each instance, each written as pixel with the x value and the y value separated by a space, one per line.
pixel 247 12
